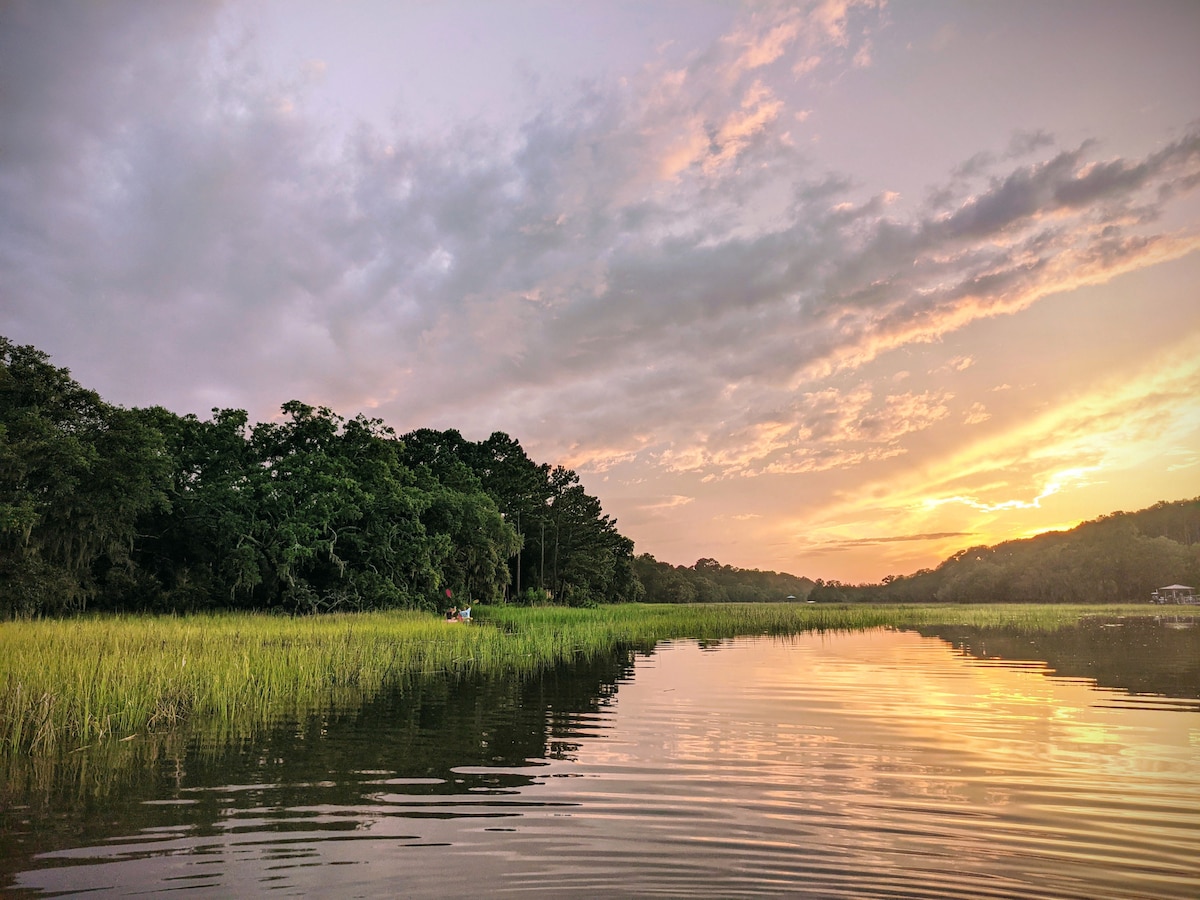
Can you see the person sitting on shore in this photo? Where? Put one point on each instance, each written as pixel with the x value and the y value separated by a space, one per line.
pixel 464 615
pixel 452 614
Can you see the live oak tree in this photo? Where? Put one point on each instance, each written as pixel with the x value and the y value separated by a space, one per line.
pixel 310 514
pixel 75 475
pixel 569 551
pixel 103 507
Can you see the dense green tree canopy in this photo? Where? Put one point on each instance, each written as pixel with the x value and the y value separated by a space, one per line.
pixel 567 550
pixel 75 476
pixel 104 507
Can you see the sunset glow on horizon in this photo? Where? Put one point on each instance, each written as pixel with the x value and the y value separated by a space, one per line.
pixel 836 288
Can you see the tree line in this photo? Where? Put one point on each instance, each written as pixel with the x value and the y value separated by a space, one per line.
pixel 108 508
pixel 1123 556
pixel 708 581
pixel 1120 557
pixel 103 507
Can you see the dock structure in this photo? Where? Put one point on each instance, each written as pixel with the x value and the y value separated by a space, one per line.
pixel 1176 593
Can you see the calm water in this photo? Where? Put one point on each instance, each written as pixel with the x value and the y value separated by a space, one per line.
pixel 953 763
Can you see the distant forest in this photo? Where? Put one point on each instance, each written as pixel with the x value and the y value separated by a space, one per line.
pixel 1118 557
pixel 108 508
pixel 710 582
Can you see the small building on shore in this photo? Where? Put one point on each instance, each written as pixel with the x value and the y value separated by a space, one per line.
pixel 1175 593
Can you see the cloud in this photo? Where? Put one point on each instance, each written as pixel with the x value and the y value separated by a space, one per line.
pixel 1110 429
pixel 815 31
pixel 891 539
pixel 1024 143
pixel 1054 483
pixel 759 110
pixel 650 273
pixel 661 503
pixel 956 364
pixel 976 415
pixel 828 19
pixel 805 65
pixel 761 49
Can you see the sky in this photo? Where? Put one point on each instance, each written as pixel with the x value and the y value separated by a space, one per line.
pixel 835 288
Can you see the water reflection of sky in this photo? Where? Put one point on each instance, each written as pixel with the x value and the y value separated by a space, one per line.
pixel 890 745
pixel 886 683
pixel 780 694
pixel 863 764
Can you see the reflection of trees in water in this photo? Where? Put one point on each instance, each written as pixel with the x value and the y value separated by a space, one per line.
pixel 1144 655
pixel 444 740
pixel 428 737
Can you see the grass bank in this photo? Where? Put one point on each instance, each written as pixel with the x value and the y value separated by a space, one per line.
pixel 68 684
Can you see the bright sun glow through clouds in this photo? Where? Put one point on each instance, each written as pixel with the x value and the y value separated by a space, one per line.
pixel 836 288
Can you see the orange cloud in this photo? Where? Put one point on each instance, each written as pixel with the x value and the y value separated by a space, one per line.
pixel 1119 426
pixel 766 49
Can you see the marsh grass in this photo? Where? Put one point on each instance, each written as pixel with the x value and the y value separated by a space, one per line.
pixel 66 685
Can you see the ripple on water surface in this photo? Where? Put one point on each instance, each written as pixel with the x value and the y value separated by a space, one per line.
pixel 873 764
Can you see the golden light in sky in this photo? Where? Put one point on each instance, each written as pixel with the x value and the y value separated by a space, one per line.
pixel 833 288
